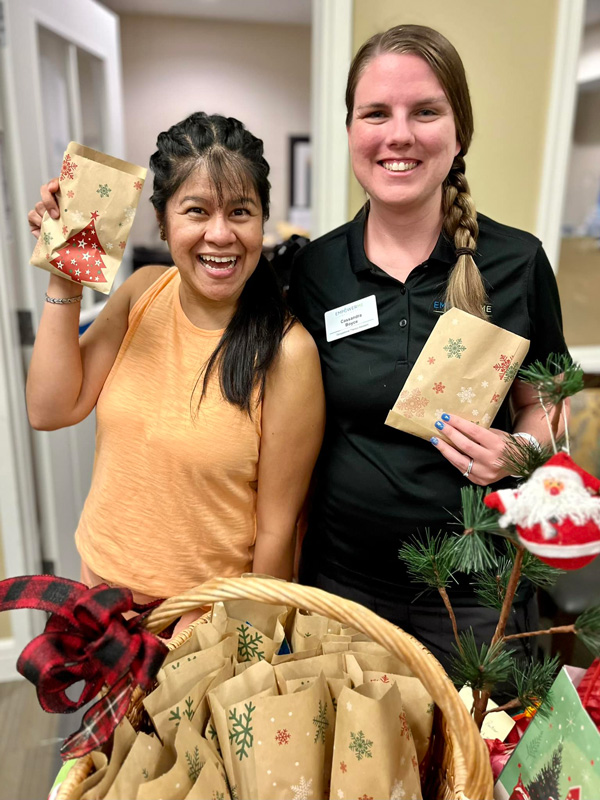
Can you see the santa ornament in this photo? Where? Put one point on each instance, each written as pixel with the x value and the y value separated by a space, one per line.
pixel 556 513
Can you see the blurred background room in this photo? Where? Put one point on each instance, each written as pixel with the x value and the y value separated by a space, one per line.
pixel 113 74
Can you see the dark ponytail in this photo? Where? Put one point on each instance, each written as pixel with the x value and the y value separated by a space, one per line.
pixel 234 162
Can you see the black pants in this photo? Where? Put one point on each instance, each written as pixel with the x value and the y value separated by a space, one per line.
pixel 430 624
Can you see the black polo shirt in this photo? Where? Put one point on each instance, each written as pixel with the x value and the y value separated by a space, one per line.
pixel 376 485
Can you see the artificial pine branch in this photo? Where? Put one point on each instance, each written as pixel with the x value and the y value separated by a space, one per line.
pixel 511 588
pixel 490 585
pixel 555 380
pixel 538 572
pixel 533 681
pixel 587 628
pixel 431 561
pixel 471 548
pixel 521 457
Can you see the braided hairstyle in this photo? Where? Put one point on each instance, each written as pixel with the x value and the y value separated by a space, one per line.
pixel 234 163
pixel 465 288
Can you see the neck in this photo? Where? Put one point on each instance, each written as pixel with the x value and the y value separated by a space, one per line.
pixel 209 315
pixel 398 242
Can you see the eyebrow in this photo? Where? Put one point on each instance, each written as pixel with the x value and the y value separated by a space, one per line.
pixel 244 201
pixel 422 102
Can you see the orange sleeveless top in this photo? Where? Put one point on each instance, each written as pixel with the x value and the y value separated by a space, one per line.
pixel 173 495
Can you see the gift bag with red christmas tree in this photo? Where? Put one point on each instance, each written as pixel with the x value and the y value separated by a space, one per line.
pixel 97 199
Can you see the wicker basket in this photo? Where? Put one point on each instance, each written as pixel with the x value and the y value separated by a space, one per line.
pixel 460 767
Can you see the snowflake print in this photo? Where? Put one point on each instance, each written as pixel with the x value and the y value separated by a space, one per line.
pixel 194 764
pixel 68 168
pixel 398 791
pixel 484 384
pixel 466 394
pixel 321 722
pixel 502 365
pixel 439 412
pixel 438 387
pixel 103 190
pixel 340 794
pixel 109 245
pixel 414 762
pixel 122 245
pixel 413 403
pixel 486 419
pixel 431 360
pixel 365 797
pixel 283 736
pixel 343 767
pixel 495 398
pixel 454 348
pixel 241 730
pixel 384 679
pixel 78 217
pixel 404 729
pixel 511 372
pixel 65 230
pixel 475 412
pixel 138 185
pixel 129 213
pixel 360 745
pixel 249 644
pixel 303 791
pixel 47 237
pixel 348 706
pixel 70 194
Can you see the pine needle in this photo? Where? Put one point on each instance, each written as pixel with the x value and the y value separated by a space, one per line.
pixel 587 628
pixel 490 584
pixel 472 549
pixel 555 380
pixel 539 573
pixel 482 668
pixel 522 457
pixel 533 681
pixel 429 560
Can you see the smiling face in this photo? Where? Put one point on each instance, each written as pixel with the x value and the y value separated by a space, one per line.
pixel 402 137
pixel 215 242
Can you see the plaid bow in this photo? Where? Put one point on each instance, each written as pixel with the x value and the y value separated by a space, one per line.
pixel 85 639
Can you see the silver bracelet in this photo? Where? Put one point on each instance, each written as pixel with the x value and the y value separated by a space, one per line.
pixel 529 437
pixel 63 301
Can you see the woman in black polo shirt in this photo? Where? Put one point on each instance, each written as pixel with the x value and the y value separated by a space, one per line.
pixel 417 247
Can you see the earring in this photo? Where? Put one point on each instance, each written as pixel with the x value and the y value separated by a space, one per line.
pixel 163 234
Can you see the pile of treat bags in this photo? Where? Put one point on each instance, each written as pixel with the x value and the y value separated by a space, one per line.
pixel 272 702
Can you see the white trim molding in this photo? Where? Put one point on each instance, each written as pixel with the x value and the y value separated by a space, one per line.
pixel 559 126
pixel 9 653
pixel 331 56
pixel 588 357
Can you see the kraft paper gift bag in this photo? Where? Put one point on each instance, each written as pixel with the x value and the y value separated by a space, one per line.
pixel 373 753
pixel 123 741
pixel 332 666
pixel 97 199
pixel 293 743
pixel 418 703
pixel 465 368
pixel 258 626
pixel 203 637
pixel 139 766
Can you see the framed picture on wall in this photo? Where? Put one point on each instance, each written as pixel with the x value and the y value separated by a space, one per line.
pixel 299 181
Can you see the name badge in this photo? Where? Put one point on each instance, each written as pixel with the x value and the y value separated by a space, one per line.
pixel 352 318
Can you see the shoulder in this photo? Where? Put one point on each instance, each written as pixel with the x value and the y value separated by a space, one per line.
pixel 494 234
pixel 298 347
pixel 141 280
pixel 326 246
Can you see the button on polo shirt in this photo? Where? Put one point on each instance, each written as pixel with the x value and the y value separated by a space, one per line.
pixel 377 486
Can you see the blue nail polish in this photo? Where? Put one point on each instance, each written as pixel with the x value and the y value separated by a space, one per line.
pixel 446 417
pixel 439 425
pixel 434 441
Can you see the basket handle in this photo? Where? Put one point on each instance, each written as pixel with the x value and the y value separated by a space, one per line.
pixel 476 781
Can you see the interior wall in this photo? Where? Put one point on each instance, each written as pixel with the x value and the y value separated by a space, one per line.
pixel 583 185
pixel 507 49
pixel 258 73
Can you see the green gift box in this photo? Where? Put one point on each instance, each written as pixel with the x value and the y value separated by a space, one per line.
pixel 559 754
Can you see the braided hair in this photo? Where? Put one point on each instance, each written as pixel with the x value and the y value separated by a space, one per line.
pixel 234 163
pixel 465 288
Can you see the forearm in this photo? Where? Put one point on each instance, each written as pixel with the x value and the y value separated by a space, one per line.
pixel 274 553
pixel 55 373
pixel 532 419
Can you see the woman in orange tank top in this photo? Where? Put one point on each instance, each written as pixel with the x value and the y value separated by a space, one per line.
pixel 209 397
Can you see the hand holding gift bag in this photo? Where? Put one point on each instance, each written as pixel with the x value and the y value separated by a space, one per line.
pixel 97 200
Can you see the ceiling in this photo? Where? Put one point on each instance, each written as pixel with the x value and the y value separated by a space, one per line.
pixel 295 12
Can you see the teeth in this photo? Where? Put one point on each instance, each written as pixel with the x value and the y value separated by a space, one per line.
pixel 398 166
pixel 220 260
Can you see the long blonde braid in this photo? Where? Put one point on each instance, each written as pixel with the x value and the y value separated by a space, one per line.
pixel 465 289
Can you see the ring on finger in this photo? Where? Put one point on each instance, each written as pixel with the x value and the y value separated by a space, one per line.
pixel 467 472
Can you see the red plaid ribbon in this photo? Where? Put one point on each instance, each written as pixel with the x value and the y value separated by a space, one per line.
pixel 85 639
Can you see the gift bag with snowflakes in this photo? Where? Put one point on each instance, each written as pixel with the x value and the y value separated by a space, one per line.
pixel 374 753
pixel 97 199
pixel 559 754
pixel 293 743
pixel 465 368
pixel 416 700
pixel 258 626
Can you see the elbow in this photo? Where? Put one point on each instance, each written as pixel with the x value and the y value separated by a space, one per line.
pixel 40 421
